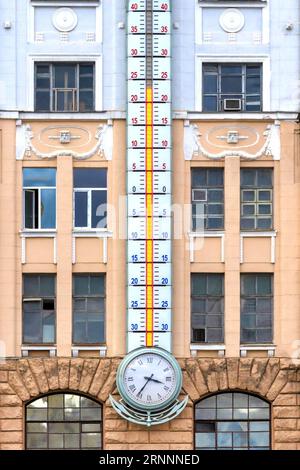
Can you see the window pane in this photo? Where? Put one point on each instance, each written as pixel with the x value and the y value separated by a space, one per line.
pixel 265 177
pixel 37 441
pixel 97 285
pixel 56 401
pixel 81 285
pixel 231 84
pixel 264 285
pixel 205 440
pixel 248 177
pixel 64 76
pixel 253 85
pixel 42 100
pixel 214 284
pixel 198 284
pixel 32 327
pixel 86 101
pixel 39 177
pixel 95 305
pixel 91 440
pixel 31 285
pixel 36 414
pixel 215 177
pixel 90 178
pixel 48 208
pixel 199 177
pixel 225 439
pixel 210 103
pixel 248 284
pixel 99 209
pixel 210 83
pixel 81 216
pixel 47 286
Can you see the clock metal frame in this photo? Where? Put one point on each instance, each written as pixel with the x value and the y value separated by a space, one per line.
pixel 135 354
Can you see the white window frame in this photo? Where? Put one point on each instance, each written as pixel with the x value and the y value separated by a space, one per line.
pixel 31 4
pixel 39 189
pixel 263 4
pixel 80 58
pixel 264 60
pixel 89 208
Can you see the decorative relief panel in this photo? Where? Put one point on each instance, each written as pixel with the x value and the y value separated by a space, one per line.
pixel 248 141
pixel 79 142
pixel 64 19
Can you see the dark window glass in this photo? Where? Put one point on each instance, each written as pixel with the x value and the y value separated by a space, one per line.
pixel 256 308
pixel 207 300
pixel 257 199
pixel 90 203
pixel 88 309
pixel 232 82
pixel 38 308
pixel 64 87
pixel 232 421
pixel 207 199
pixel 64 421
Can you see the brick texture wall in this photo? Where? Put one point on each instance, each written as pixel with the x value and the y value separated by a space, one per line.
pixel 277 380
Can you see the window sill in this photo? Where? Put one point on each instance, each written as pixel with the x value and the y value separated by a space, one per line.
pixel 270 348
pixel 102 350
pixel 207 347
pixel 25 349
pixel 38 232
pixel 92 232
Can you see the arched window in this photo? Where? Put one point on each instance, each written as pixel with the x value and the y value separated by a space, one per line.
pixel 64 421
pixel 236 421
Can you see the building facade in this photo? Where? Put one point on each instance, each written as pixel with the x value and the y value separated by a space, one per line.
pixel 236 224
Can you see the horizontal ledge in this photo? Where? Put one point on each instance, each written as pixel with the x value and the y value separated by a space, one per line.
pixel 38 348
pixel 206 234
pixel 95 116
pixel 200 116
pixel 92 233
pixel 38 233
pixel 207 347
pixel 89 348
pixel 258 348
pixel 272 233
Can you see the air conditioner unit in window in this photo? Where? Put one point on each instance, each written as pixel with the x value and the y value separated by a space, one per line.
pixel 232 104
pixel 199 195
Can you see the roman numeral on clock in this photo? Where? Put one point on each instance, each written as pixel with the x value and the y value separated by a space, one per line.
pixel 132 388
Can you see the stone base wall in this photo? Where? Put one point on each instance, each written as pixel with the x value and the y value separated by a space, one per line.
pixel 276 380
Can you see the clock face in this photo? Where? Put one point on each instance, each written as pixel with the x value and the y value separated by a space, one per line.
pixel 150 380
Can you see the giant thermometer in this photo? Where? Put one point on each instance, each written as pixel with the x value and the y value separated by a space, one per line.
pixel 149 378
pixel 149 174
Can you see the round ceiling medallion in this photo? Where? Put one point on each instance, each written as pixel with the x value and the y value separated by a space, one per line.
pixel 64 19
pixel 232 20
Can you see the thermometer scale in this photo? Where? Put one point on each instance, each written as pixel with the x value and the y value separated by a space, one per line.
pixel 149 292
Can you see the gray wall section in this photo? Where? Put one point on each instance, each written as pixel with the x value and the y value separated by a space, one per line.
pixel 283 49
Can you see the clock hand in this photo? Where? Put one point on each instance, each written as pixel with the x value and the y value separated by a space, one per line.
pixel 148 380
pixel 153 380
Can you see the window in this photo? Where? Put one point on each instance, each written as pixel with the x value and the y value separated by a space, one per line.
pixel 90 198
pixel 232 87
pixel 256 199
pixel 38 309
pixel 88 308
pixel 64 87
pixel 207 199
pixel 256 308
pixel 207 308
pixel 39 187
pixel 64 421
pixel 232 421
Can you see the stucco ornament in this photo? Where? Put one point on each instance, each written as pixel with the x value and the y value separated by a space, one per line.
pixel 232 20
pixel 102 147
pixel 64 19
pixel 194 146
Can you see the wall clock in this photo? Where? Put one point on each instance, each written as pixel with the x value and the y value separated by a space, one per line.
pixel 149 379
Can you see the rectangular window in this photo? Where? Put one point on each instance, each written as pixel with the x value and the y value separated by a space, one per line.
pixel 256 308
pixel 232 87
pixel 39 192
pixel 88 308
pixel 90 198
pixel 64 87
pixel 207 199
pixel 257 199
pixel 38 308
pixel 207 308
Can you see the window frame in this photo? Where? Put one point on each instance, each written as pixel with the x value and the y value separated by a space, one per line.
pixel 38 189
pixel 243 95
pixel 26 298
pixel 257 202
pixel 95 58
pixel 89 344
pixel 249 394
pixel 205 203
pixel 75 91
pixel 89 213
pixel 257 296
pixel 265 62
pixel 78 421
pixel 207 297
